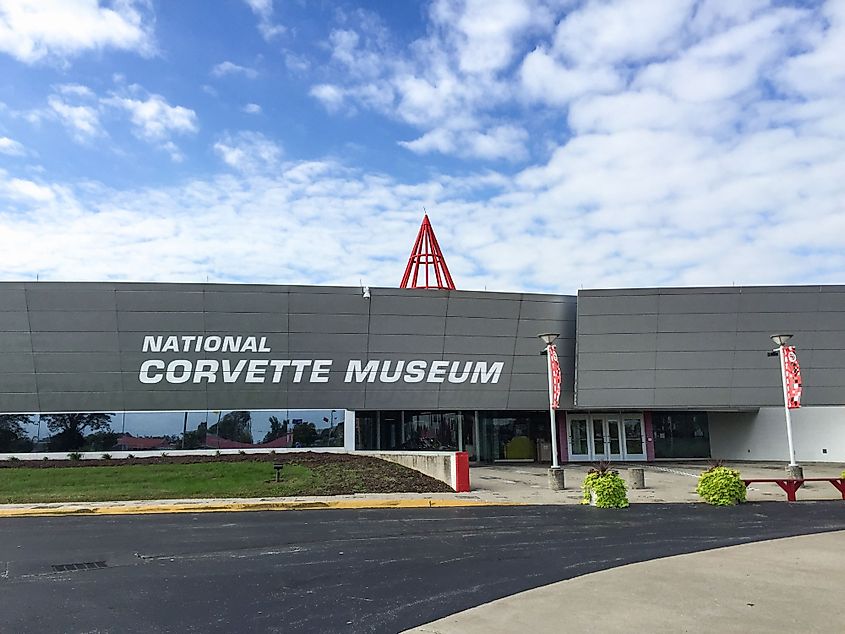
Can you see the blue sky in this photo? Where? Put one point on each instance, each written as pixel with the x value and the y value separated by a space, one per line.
pixel 556 144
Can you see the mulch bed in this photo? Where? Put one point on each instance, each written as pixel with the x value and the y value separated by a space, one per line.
pixel 378 476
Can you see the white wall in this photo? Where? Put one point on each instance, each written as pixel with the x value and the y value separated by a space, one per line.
pixel 761 435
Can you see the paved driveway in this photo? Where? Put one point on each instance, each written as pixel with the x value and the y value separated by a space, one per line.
pixel 340 571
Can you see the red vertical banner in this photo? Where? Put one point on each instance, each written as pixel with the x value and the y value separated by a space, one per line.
pixel 791 377
pixel 555 366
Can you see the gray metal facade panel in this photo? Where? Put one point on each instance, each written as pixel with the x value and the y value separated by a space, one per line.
pixel 59 298
pixel 72 321
pixel 710 345
pixel 15 342
pixel 559 311
pixel 407 305
pixel 14 403
pixel 14 321
pixel 469 307
pixel 89 339
pixel 238 301
pixel 832 301
pixel 168 299
pixel 617 361
pixel 55 362
pixel 158 321
pixel 328 303
pixel 326 324
pixel 615 379
pixel 530 328
pixel 481 326
pixel 404 324
pixel 18 382
pixel 618 324
pixel 75 342
pixel 13 298
pixel 17 362
pixel 599 305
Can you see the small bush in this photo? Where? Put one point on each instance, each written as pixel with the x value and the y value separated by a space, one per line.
pixel 45 458
pixel 106 456
pixel 242 452
pixel 721 486
pixel 217 453
pixel 74 455
pixel 129 457
pixel 609 488
pixel 14 459
pixel 843 475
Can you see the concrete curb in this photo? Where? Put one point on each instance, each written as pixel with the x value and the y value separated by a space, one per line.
pixel 202 506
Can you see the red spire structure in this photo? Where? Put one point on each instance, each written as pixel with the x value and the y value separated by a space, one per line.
pixel 427 255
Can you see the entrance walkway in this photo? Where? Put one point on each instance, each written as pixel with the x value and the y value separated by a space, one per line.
pixel 783 585
pixel 665 482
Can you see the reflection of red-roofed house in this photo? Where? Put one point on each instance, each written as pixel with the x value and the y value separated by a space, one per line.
pixel 128 442
pixel 281 441
pixel 213 441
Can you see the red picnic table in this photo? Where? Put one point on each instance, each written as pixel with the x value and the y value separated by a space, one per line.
pixel 791 485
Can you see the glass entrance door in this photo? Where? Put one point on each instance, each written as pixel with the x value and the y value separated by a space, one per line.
pixel 605 437
pixel 599 437
pixel 613 443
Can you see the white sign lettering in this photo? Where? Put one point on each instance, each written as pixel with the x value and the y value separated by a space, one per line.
pixel 262 370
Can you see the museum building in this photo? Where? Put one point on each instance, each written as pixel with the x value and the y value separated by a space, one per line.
pixel 647 374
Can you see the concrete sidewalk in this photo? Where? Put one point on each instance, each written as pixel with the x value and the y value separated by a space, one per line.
pixel 785 585
pixel 667 482
pixel 491 485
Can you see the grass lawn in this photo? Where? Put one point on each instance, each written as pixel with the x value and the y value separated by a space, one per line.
pixel 205 480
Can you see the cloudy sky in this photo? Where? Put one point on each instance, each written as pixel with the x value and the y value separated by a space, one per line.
pixel 556 144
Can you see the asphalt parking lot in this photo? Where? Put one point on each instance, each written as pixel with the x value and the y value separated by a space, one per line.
pixel 341 571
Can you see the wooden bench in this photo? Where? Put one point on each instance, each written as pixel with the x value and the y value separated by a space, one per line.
pixel 791 486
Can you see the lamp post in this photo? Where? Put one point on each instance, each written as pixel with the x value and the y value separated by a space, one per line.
pixel 555 472
pixel 780 340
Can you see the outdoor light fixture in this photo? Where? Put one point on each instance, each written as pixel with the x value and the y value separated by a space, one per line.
pixel 780 340
pixel 549 338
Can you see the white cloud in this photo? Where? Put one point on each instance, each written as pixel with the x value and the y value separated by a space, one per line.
pixel 252 108
pixel 330 96
pixel 701 146
pixel 548 81
pixel 34 30
pixel 606 33
pixel 501 142
pixel 230 68
pixel 82 120
pixel 249 152
pixel 263 9
pixel 11 147
pixel 155 119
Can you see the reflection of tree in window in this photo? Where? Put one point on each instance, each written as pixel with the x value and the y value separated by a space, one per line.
pixel 12 434
pixel 68 431
pixel 235 426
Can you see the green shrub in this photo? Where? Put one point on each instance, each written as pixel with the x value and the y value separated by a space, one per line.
pixel 843 475
pixel 14 459
pixel 74 455
pixel 608 487
pixel 106 456
pixel 721 486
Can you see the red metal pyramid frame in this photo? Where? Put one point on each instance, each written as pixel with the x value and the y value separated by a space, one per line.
pixel 427 254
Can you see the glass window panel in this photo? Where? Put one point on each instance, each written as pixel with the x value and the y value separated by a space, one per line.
pixel 633 437
pixel 681 435
pixel 578 436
